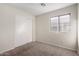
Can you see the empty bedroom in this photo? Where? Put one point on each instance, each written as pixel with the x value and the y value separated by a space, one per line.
pixel 39 29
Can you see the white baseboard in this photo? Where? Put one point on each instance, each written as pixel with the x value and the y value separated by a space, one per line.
pixel 78 51
pixel 5 50
pixel 13 48
pixel 58 46
pixel 45 43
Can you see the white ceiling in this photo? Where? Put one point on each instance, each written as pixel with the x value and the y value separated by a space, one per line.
pixel 37 9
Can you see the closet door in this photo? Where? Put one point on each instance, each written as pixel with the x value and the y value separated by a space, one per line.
pixel 23 30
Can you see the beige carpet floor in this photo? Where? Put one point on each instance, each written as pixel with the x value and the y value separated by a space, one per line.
pixel 39 49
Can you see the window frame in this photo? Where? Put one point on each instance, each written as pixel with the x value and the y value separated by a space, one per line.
pixel 58 30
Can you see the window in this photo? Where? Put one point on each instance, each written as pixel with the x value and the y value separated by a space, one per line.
pixel 54 24
pixel 60 23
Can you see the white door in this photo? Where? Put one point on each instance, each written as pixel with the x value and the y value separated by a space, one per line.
pixel 23 31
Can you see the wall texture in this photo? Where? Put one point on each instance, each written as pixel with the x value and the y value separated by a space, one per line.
pixel 14 24
pixel 63 39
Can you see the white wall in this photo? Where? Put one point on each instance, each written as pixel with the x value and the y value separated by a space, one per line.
pixel 23 30
pixel 78 28
pixel 15 27
pixel 6 28
pixel 67 40
pixel 34 29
